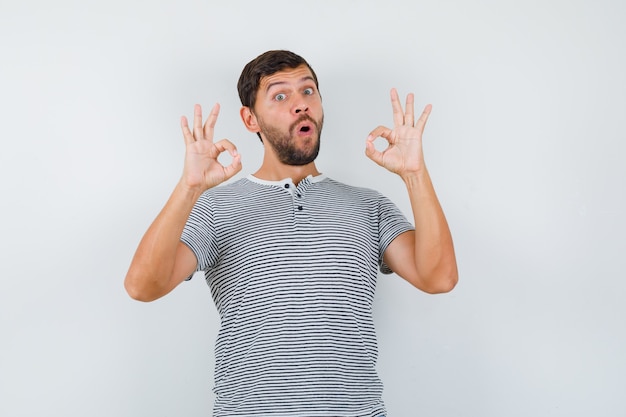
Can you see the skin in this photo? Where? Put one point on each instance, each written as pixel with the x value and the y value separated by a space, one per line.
pixel 300 98
pixel 424 257
pixel 287 101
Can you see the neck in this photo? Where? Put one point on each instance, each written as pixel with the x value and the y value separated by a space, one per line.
pixel 276 171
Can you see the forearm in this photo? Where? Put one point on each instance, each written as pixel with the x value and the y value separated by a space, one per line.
pixel 151 271
pixel 435 260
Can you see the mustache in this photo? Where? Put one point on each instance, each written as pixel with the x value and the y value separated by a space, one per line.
pixel 304 117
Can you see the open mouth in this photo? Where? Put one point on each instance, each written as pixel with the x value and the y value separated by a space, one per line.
pixel 305 127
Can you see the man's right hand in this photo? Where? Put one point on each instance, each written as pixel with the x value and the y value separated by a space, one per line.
pixel 202 169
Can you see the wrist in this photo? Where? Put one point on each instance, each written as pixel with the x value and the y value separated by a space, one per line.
pixel 416 178
pixel 184 189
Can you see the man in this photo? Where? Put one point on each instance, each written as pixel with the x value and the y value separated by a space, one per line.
pixel 290 255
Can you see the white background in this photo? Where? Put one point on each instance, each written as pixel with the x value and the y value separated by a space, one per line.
pixel 525 147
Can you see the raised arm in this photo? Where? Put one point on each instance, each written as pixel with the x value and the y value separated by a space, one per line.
pixel 162 261
pixel 424 257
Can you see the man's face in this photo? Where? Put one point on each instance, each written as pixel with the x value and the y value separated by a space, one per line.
pixel 290 115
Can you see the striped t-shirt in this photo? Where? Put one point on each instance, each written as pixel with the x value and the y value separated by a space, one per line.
pixel 292 272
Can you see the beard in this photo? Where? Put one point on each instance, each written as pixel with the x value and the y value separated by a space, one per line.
pixel 286 145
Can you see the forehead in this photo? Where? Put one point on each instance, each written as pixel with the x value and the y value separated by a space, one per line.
pixel 296 75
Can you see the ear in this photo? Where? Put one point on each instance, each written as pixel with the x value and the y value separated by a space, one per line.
pixel 249 119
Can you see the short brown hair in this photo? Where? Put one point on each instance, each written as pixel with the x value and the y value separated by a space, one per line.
pixel 266 64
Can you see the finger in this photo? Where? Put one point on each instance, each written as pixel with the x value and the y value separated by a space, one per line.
pixel 421 122
pixel 409 113
pixel 225 145
pixel 234 167
pixel 187 135
pixel 372 153
pixel 210 122
pixel 398 114
pixel 370 149
pixel 197 122
pixel 380 132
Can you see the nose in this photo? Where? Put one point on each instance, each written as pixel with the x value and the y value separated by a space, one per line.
pixel 301 108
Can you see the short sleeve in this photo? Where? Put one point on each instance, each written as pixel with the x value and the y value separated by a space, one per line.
pixel 391 223
pixel 199 233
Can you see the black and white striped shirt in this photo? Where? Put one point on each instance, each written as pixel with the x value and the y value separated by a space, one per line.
pixel 292 272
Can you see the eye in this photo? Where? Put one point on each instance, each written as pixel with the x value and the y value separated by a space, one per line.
pixel 280 97
pixel 308 92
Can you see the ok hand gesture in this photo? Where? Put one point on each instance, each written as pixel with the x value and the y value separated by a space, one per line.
pixel 404 154
pixel 202 168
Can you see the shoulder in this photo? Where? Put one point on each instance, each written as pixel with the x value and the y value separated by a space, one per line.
pixel 226 193
pixel 347 189
pixel 241 186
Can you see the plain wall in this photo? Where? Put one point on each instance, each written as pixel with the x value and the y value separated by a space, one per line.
pixel 525 147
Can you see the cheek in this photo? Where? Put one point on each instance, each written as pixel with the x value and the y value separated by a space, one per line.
pixel 316 105
pixel 275 111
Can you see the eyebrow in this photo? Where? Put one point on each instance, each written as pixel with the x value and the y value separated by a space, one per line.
pixel 303 79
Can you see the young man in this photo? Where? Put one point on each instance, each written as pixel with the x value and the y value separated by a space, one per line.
pixel 292 256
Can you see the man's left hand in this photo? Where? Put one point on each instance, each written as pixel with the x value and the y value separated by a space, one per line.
pixel 403 154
